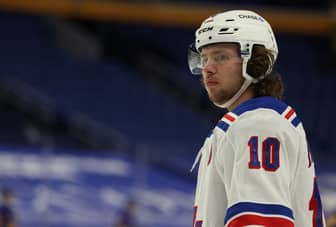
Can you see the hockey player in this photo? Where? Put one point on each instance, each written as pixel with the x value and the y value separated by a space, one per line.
pixel 255 168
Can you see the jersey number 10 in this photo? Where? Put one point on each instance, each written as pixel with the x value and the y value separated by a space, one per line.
pixel 269 153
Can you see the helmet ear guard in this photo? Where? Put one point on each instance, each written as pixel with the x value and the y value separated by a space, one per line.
pixel 261 63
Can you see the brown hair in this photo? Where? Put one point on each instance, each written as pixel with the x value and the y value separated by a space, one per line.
pixel 270 84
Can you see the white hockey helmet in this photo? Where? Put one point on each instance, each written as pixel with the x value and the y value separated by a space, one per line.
pixel 246 28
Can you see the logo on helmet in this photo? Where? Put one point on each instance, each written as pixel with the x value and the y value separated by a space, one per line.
pixel 205 30
pixel 251 17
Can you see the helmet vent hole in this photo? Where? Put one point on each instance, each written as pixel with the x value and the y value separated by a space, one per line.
pixel 236 29
pixel 228 20
pixel 224 30
pixel 210 37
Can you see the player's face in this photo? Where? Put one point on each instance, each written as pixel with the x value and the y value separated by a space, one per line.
pixel 222 71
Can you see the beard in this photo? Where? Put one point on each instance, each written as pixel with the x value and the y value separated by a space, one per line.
pixel 220 97
pixel 222 94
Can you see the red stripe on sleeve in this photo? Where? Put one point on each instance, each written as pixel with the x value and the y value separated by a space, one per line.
pixel 289 114
pixel 229 117
pixel 250 219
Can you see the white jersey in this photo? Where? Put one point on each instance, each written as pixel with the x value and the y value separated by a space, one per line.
pixel 256 170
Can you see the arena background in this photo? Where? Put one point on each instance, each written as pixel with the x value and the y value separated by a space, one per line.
pixel 98 107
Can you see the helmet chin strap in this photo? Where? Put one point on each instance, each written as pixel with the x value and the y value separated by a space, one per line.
pixel 247 82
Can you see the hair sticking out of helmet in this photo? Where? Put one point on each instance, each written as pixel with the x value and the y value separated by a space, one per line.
pixel 243 27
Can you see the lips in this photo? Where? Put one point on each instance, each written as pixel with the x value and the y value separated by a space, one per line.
pixel 211 83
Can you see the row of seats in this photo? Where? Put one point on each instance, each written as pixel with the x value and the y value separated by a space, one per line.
pixel 88 189
pixel 109 92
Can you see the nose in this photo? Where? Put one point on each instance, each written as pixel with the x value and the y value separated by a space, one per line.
pixel 209 69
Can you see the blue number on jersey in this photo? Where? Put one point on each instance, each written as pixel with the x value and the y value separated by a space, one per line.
pixel 270 153
pixel 271 159
pixel 254 160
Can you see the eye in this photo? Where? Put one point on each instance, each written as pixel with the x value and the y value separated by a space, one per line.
pixel 221 58
pixel 204 61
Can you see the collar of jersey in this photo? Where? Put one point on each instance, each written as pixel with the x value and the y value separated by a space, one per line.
pixel 267 102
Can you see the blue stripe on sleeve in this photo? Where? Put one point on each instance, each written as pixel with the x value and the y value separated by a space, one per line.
pixel 258 208
pixel 223 125
pixel 296 121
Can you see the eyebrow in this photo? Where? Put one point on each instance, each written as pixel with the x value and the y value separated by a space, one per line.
pixel 215 52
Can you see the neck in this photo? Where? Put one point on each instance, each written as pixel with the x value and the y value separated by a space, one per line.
pixel 248 94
